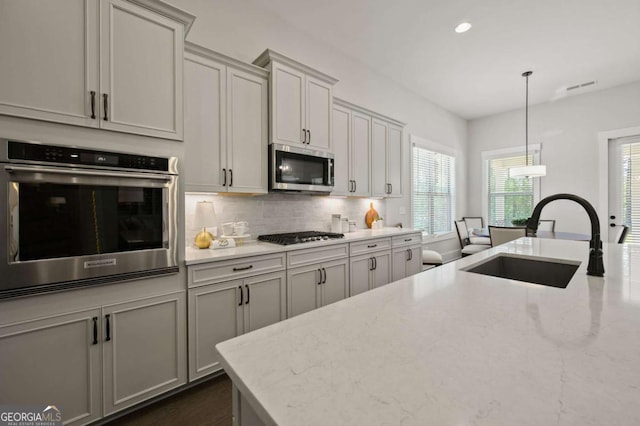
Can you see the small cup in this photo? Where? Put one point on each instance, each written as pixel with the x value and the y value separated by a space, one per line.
pixel 227 228
pixel 240 228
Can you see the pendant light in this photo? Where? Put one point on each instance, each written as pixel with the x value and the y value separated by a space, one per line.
pixel 528 170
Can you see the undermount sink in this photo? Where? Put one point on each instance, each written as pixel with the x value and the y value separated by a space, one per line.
pixel 530 269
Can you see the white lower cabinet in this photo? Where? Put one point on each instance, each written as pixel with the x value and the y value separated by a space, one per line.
pixel 138 347
pixel 54 361
pixel 407 255
pixel 221 311
pixel 316 285
pixel 369 271
pixel 316 277
pixel 144 349
pixel 407 261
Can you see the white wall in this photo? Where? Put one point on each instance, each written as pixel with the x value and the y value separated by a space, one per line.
pixel 244 29
pixel 568 132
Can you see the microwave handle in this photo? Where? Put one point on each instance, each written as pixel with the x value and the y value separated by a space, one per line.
pixel 330 172
pixel 81 172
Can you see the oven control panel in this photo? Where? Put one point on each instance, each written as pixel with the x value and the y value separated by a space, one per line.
pixel 81 156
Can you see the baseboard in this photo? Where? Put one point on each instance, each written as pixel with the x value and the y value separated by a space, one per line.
pixel 157 398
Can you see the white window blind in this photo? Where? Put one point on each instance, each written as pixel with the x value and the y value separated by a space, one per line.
pixel 509 198
pixel 433 190
pixel 630 167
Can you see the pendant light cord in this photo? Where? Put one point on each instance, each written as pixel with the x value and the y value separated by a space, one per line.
pixel 526 74
pixel 526 125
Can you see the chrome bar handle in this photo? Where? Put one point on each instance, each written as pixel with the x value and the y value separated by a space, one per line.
pixel 83 172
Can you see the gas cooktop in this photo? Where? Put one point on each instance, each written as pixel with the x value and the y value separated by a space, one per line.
pixel 299 237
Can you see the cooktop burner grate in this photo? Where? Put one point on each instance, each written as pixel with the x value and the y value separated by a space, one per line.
pixel 299 237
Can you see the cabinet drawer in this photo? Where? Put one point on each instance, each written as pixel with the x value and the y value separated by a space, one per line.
pixel 371 245
pixel 314 255
pixel 407 240
pixel 214 272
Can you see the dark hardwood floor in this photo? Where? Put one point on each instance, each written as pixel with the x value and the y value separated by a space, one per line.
pixel 208 403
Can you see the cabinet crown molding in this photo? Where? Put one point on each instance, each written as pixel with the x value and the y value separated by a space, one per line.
pixel 373 114
pixel 269 55
pixel 168 10
pixel 203 52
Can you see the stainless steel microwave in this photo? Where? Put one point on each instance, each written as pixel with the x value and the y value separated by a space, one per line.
pixel 300 169
pixel 77 217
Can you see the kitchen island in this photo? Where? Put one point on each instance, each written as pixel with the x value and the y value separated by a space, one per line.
pixel 452 347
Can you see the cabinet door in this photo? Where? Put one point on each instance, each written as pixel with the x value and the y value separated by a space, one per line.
pixel 141 71
pixel 265 300
pixel 400 260
pixel 360 274
pixel 361 153
pixel 54 361
pixel 144 349
pixel 49 54
pixel 303 289
pixel 319 104
pixel 287 105
pixel 335 285
pixel 378 158
pixel 215 315
pixel 382 271
pixel 394 161
pixel 340 131
pixel 247 128
pixel 204 124
pixel 414 265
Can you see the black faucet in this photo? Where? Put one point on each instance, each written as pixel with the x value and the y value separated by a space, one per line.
pixel 596 267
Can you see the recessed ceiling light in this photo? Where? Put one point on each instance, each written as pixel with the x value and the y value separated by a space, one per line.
pixel 463 27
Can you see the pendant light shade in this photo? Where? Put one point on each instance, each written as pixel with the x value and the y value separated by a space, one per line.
pixel 528 170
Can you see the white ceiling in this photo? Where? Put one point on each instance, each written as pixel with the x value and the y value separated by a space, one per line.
pixel 478 73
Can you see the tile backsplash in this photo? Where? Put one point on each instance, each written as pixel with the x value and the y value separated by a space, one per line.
pixel 277 213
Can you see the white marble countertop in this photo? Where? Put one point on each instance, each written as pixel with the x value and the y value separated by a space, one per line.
pixel 448 347
pixel 194 255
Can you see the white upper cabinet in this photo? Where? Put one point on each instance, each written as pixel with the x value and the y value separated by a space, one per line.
pixel 394 161
pixel 341 136
pixel 247 127
pixel 319 101
pixel 111 64
pixel 140 71
pixel 351 147
pixel 226 123
pixel 386 155
pixel 368 152
pixel 360 151
pixel 49 54
pixel 379 131
pixel 301 102
pixel 288 115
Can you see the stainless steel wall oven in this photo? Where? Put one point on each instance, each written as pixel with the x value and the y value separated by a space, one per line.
pixel 74 217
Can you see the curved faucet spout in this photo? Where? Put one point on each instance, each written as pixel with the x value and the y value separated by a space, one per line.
pixel 595 267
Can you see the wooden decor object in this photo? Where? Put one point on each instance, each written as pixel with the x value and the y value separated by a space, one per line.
pixel 371 216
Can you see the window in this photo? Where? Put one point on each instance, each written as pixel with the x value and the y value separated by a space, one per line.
pixel 509 198
pixel 433 190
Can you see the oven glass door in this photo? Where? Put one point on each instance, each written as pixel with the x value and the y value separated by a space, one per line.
pixel 64 220
pixel 300 169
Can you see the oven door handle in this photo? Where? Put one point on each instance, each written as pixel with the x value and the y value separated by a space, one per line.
pixel 82 172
